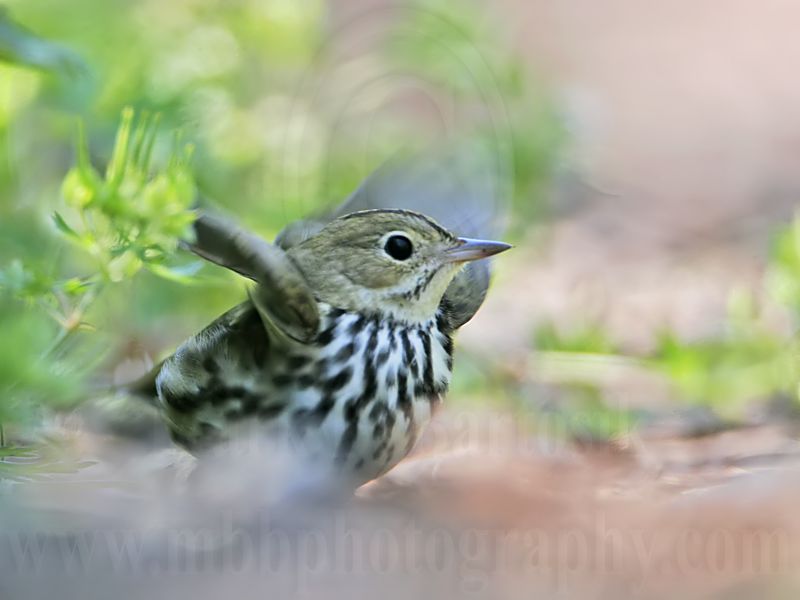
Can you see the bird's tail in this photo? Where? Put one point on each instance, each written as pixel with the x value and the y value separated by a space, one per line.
pixel 128 411
pixel 144 387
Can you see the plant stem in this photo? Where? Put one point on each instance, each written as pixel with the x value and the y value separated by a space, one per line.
pixel 74 322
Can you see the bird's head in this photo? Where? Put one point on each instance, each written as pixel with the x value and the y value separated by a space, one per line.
pixel 393 262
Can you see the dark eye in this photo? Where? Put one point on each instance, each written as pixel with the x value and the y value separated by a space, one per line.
pixel 399 247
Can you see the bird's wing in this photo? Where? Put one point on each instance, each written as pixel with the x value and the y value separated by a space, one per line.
pixel 455 190
pixel 282 295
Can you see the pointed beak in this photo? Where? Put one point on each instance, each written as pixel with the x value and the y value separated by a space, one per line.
pixel 469 249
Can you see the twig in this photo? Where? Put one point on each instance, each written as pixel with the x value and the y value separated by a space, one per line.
pixel 73 322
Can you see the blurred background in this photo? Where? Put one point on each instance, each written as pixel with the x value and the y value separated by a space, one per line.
pixel 635 361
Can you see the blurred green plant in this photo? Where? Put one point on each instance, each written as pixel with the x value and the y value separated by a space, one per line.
pixel 749 363
pixel 125 220
pixel 783 275
pixel 30 373
pixel 579 361
pixel 129 218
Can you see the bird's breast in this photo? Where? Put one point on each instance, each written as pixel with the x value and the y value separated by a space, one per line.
pixel 357 396
pixel 384 378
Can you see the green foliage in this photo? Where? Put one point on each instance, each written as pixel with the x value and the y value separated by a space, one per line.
pixel 749 362
pixel 578 361
pixel 587 339
pixel 128 219
pixel 783 275
pixel 30 375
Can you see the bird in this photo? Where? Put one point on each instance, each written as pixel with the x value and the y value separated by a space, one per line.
pixel 344 346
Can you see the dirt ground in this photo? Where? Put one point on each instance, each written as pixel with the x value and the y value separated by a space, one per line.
pixel 481 510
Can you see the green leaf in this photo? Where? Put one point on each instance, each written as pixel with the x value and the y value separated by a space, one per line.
pixel 119 158
pixel 80 188
pixel 75 286
pixel 64 228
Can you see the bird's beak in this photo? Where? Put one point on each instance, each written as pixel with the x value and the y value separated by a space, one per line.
pixel 468 249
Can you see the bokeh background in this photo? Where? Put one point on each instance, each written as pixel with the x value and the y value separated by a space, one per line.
pixel 635 361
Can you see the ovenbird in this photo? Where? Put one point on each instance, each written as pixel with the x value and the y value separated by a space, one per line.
pixel 344 346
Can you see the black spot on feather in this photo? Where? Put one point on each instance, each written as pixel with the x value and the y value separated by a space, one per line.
pixel 179 402
pixel 210 365
pixel 305 381
pixel 323 407
pixel 345 352
pixel 326 337
pixel 353 409
pixel 338 381
pixel 357 326
pixel 428 357
pixel 282 380
pixel 297 361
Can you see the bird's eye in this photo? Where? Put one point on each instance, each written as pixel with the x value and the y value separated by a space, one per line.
pixel 399 247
